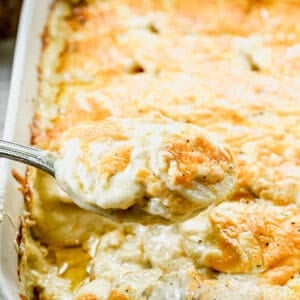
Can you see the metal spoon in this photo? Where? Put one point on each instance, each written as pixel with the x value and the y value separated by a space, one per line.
pixel 44 160
pixel 40 159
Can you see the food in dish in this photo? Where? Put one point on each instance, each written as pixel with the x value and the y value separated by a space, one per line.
pixel 230 67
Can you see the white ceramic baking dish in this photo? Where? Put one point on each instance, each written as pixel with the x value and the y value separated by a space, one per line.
pixel 23 91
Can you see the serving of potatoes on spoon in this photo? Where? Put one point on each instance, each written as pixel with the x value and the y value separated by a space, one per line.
pixel 138 170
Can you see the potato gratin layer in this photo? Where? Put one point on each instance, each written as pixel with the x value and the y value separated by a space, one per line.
pixel 231 67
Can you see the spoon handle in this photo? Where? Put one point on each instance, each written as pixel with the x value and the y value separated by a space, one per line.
pixel 43 160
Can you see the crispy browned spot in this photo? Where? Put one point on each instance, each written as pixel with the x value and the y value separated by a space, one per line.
pixel 275 236
pixel 21 180
pixel 87 297
pixel 143 174
pixel 114 162
pixel 281 274
pixel 190 153
pixel 117 295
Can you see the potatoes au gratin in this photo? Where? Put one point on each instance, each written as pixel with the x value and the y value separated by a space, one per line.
pixel 230 68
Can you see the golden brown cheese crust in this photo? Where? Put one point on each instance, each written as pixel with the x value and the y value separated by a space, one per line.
pixel 231 67
pixel 255 237
pixel 190 153
pixel 114 162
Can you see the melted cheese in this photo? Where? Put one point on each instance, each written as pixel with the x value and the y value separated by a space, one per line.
pixel 246 238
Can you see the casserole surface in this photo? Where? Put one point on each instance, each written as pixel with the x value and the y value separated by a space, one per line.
pixel 231 67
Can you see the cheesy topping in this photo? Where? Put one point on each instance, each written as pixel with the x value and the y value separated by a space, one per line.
pixel 161 167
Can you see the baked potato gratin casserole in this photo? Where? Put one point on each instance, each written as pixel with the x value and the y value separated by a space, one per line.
pixel 231 68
